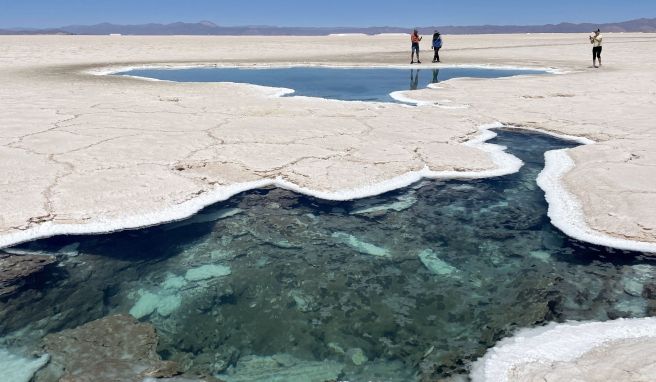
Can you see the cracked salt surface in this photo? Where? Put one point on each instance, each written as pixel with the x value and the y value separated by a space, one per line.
pixel 280 282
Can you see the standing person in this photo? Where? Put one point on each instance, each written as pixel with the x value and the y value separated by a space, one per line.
pixel 596 47
pixel 415 38
pixel 437 45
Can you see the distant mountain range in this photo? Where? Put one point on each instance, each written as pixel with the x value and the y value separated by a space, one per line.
pixel 31 31
pixel 208 28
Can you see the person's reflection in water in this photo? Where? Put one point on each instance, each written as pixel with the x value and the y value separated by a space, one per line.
pixel 414 79
pixel 436 73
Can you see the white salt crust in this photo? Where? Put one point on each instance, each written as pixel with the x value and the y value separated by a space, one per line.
pixel 556 343
pixel 564 209
pixel 505 164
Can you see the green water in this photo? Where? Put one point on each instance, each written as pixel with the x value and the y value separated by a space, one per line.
pixel 410 285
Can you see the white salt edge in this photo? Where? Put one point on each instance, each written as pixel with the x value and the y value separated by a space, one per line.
pixel 506 164
pixel 556 343
pixel 565 210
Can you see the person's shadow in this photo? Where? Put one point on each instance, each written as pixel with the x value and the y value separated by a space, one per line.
pixel 436 73
pixel 414 79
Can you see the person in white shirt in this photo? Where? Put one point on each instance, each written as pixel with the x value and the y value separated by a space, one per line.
pixel 596 40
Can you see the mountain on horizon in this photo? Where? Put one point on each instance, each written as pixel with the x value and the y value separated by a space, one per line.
pixel 209 28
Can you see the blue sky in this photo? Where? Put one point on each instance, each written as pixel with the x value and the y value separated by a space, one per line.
pixel 50 13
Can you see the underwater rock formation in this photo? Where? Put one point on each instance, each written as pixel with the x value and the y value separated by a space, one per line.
pixel 115 348
pixel 437 265
pixel 282 367
pixel 206 272
pixel 16 269
pixel 361 246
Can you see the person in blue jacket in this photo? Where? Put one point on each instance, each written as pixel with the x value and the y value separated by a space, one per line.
pixel 437 45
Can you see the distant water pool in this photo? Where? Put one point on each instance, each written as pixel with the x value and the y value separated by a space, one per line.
pixel 361 84
pixel 411 285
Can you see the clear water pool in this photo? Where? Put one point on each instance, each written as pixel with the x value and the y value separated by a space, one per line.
pixel 410 285
pixel 363 84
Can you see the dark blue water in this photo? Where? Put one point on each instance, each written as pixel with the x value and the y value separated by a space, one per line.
pixel 343 84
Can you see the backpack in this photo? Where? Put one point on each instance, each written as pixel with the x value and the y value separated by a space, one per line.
pixel 437 43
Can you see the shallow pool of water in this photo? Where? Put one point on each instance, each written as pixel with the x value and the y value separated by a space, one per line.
pixel 410 285
pixel 362 84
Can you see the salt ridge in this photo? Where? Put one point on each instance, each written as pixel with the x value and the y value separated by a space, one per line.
pixel 566 212
pixel 556 343
pixel 506 164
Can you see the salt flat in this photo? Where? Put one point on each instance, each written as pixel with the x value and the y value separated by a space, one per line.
pixel 89 153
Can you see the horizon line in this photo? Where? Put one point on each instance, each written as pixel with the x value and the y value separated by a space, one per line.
pixel 312 27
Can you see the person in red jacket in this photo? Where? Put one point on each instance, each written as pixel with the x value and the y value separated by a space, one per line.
pixel 415 38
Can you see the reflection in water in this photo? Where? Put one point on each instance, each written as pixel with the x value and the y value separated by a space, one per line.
pixel 436 73
pixel 414 79
pixel 413 284
pixel 362 84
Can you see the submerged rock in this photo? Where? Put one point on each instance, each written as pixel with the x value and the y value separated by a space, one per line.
pixel 206 272
pixel 336 348
pixel 402 203
pixel 164 303
pixel 168 296
pixel 437 265
pixel 361 246
pixel 146 305
pixel 169 304
pixel 543 256
pixel 205 218
pixel 16 368
pixel 173 282
pixel 357 356
pixel 282 368
pixel 634 307
pixel 115 348
pixel 636 277
pixel 382 370
pixel 303 302
pixel 70 250
pixel 15 270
